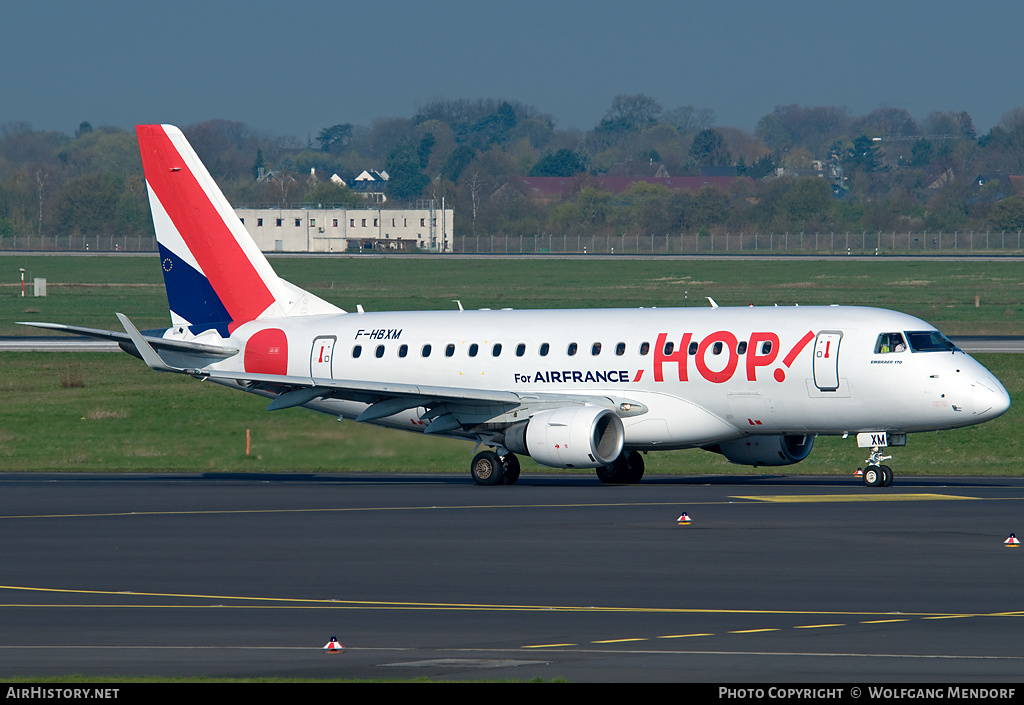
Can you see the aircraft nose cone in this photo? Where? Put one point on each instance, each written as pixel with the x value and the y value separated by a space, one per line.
pixel 990 398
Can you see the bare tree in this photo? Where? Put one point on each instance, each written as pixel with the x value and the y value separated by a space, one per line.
pixel 475 188
pixel 689 120
pixel 40 182
pixel 631 112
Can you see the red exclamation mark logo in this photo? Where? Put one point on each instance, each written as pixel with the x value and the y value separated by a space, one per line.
pixel 780 374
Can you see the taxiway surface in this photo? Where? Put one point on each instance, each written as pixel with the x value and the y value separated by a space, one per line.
pixel 777 579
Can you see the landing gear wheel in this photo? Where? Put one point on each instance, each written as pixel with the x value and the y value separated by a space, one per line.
pixel 609 474
pixel 511 463
pixel 886 475
pixel 635 467
pixel 487 468
pixel 626 469
pixel 873 476
pixel 876 474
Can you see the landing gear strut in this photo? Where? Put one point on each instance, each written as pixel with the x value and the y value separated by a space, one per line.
pixel 876 474
pixel 627 469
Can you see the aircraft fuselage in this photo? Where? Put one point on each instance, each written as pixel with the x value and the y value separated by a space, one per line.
pixel 703 375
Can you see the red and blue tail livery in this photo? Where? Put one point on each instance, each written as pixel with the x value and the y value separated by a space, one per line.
pixel 589 388
pixel 215 275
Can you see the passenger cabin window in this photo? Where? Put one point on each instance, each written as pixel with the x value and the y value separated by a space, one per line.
pixel 520 349
pixel 595 349
pixel 357 351
pixel 645 348
pixel 403 350
pixel 473 350
pixel 620 349
pixel 379 352
pixel 571 350
pixel 544 348
pixel 692 350
pixel 890 343
pixel 741 348
pixel 496 350
pixel 669 347
pixel 449 350
pixel 425 352
pixel 716 349
pixel 766 347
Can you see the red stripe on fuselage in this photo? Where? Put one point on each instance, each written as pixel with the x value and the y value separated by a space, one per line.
pixel 225 264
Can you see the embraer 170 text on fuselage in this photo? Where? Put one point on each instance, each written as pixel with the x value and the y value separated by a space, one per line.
pixel 571 389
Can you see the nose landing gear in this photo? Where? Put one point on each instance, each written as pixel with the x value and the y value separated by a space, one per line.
pixel 876 474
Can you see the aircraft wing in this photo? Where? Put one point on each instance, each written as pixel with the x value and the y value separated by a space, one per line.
pixel 449 408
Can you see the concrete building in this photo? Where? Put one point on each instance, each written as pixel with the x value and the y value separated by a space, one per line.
pixel 313 229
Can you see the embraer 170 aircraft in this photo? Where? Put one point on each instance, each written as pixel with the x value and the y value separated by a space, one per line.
pixel 571 389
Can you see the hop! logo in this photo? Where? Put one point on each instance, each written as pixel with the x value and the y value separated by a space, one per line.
pixel 761 351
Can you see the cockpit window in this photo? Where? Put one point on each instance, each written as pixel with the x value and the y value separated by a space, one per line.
pixel 890 343
pixel 930 341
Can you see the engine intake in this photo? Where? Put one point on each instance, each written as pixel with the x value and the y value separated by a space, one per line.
pixel 569 437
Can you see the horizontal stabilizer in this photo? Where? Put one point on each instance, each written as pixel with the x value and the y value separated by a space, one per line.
pixel 182 346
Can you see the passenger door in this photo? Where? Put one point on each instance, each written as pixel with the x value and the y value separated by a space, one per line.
pixel 826 360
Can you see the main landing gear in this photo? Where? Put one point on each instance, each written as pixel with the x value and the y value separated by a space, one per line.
pixel 627 469
pixel 489 468
pixel 876 474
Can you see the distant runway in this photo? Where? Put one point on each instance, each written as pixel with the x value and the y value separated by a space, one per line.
pixel 778 579
pixel 75 343
pixel 692 256
pixel 63 343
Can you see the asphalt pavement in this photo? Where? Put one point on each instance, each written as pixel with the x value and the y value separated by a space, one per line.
pixel 777 579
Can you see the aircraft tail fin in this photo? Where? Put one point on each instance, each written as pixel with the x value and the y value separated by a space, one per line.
pixel 215 274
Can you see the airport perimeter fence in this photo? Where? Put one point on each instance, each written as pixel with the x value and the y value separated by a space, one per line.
pixel 863 243
pixel 746 243
pixel 78 243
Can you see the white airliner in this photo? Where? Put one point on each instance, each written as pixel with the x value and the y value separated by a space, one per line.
pixel 569 388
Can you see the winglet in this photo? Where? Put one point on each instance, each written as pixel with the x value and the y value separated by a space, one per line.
pixel 149 355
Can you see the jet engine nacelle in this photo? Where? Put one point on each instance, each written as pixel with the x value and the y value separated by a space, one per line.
pixel 767 450
pixel 569 437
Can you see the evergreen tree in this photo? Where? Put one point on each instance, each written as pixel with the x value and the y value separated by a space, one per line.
pixel 708 149
pixel 258 165
pixel 564 162
pixel 405 177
